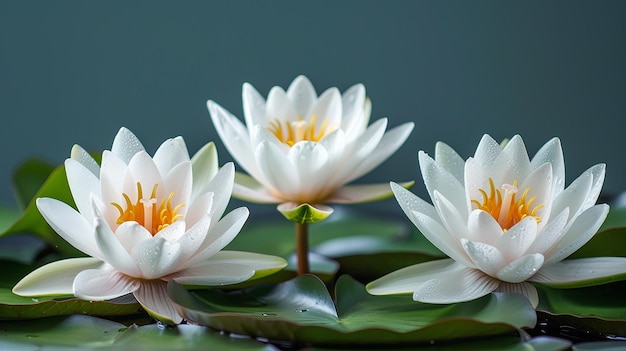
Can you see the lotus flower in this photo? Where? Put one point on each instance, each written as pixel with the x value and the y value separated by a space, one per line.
pixel 505 221
pixel 144 221
pixel 301 150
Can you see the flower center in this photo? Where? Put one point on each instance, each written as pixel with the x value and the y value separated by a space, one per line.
pixel 291 132
pixel 504 207
pixel 146 212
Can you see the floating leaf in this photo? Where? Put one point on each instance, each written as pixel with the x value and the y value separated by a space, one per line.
pixel 302 311
pixel 90 333
pixel 365 247
pixel 596 311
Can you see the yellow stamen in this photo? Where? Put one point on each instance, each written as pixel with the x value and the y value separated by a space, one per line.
pixel 291 132
pixel 504 207
pixel 146 212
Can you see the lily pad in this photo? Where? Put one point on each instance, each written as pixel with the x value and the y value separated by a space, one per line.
pixel 591 312
pixel 90 333
pixel 302 311
pixel 365 247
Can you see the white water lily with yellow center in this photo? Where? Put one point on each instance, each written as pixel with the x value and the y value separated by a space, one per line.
pixel 505 221
pixel 300 149
pixel 144 221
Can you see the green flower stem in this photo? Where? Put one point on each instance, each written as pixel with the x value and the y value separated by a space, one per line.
pixel 302 247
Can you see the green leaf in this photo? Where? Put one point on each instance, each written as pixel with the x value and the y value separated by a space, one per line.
pixel 90 333
pixel 31 221
pixel 610 242
pixel 301 310
pixel 597 311
pixel 305 213
pixel 366 247
pixel 28 178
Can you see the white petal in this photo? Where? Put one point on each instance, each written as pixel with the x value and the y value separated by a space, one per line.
pixel 552 153
pixel 437 178
pixel 407 279
pixel 362 193
pixel 83 157
pixel 328 107
pixel 214 274
pixel 521 269
pixel 220 234
pixel 277 169
pixel 112 176
pixel 204 164
pixel 452 287
pixel 450 160
pixel 173 232
pixel 142 169
pixel 130 234
pixel 157 257
pixel 518 238
pixel 309 159
pixel 579 270
pixel 440 237
pixel 483 227
pixel 450 217
pixel 70 225
pixel 253 106
pixel 487 151
pixel 550 234
pixel 278 106
pixel 367 142
pixel 582 230
pixel 249 189
pixel 114 253
pixel 152 295
pixel 83 183
pixel 335 145
pixel 221 186
pixel 55 278
pixel 574 196
pixel 487 258
pixel 512 163
pixel 199 208
pixel 390 142
pixel 103 284
pixel 409 202
pixel 523 288
pixel 598 172
pixel 353 103
pixel 234 135
pixel 539 181
pixel 126 145
pixel 302 95
pixel 179 181
pixel 259 262
pixel 191 241
pixel 171 153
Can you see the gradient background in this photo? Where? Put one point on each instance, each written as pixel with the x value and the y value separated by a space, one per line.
pixel 76 71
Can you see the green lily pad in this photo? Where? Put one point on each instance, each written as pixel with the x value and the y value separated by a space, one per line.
pixel 90 333
pixel 596 311
pixel 302 311
pixel 365 247
pixel 31 221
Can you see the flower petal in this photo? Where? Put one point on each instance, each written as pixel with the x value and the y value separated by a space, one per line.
pixel 304 213
pixel 126 145
pixel 83 183
pixel 327 107
pixel 354 118
pixel 69 224
pixel 156 257
pixel 153 297
pixel 582 271
pixel 351 194
pixel 550 234
pixel 512 163
pixel 83 157
pixel 487 258
pixel 253 106
pixel 450 217
pixel 302 95
pixel 410 202
pixel 457 286
pixel 103 284
pixel 55 278
pixel 214 274
pixel 249 189
pixel 279 106
pixel 450 160
pixel 130 234
pixel 487 151
pixel 437 178
pixel 221 186
pixel 407 279
pixel 204 165
pixel 582 230
pixel 263 264
pixel 574 196
pixel 551 152
pixel 113 251
pixel 483 227
pixel 517 239
pixel 521 269
pixel 142 169
pixel 277 169
pixel 171 153
pixel 523 288
pixel 309 160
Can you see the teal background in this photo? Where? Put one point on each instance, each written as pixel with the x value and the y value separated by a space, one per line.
pixel 76 71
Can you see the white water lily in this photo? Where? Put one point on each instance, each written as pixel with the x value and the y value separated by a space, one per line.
pixel 144 221
pixel 301 150
pixel 505 221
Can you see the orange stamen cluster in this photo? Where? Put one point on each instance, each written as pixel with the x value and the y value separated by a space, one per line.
pixel 505 208
pixel 291 132
pixel 146 213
